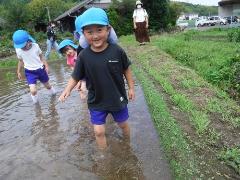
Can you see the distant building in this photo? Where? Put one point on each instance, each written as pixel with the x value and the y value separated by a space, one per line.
pixel 67 19
pixel 229 8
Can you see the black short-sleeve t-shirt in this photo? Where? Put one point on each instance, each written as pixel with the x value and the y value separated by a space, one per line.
pixel 103 72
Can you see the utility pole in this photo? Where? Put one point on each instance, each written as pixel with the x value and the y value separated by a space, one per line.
pixel 49 18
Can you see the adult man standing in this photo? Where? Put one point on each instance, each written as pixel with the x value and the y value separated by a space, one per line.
pixel 51 40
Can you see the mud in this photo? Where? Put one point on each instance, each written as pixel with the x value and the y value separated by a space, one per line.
pixel 53 140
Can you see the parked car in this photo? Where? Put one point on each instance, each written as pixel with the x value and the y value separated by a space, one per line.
pixel 201 22
pixel 232 19
pixel 213 20
pixel 182 24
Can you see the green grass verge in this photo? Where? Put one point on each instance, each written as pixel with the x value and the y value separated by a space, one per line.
pixel 172 138
pixel 208 52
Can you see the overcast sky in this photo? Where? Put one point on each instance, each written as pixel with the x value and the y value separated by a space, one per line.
pixel 202 2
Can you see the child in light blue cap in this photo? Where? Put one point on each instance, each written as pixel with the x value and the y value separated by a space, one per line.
pixel 112 38
pixel 104 66
pixel 69 49
pixel 35 67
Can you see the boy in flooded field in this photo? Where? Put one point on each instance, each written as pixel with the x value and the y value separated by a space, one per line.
pixel 104 66
pixel 35 67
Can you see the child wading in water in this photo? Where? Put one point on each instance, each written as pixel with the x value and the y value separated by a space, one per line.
pixel 103 65
pixel 69 49
pixel 35 67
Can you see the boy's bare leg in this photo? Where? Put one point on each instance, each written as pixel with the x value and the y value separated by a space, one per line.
pixel 126 129
pixel 33 91
pixel 99 131
pixel 49 87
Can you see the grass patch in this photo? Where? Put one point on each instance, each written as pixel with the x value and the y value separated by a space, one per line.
pixel 9 62
pixel 209 118
pixel 231 157
pixel 216 62
pixel 171 135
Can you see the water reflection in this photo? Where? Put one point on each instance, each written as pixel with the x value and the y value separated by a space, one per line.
pixel 46 127
pixel 119 162
pixel 55 141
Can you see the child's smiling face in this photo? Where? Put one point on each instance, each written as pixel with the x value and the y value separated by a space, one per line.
pixel 97 36
pixel 69 51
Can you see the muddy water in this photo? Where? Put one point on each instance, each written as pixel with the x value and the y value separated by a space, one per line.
pixel 55 141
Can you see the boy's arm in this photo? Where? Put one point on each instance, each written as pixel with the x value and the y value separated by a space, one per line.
pixel 128 75
pixel 19 67
pixel 44 62
pixel 71 84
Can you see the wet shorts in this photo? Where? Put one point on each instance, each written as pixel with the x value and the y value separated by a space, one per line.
pixel 99 117
pixel 34 75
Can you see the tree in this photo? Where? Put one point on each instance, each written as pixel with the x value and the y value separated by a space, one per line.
pixel 175 10
pixel 120 16
pixel 38 10
pixel 158 11
pixel 15 13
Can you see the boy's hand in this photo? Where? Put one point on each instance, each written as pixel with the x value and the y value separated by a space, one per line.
pixel 19 76
pixel 131 94
pixel 78 86
pixel 64 96
pixel 46 69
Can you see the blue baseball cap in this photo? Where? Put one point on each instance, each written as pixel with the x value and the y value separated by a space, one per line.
pixel 66 42
pixel 20 38
pixel 94 16
pixel 78 23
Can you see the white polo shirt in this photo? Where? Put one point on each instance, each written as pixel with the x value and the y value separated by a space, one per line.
pixel 31 57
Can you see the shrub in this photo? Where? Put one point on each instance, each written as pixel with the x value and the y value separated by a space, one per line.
pixel 234 35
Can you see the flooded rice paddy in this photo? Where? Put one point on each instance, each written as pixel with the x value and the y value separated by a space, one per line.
pixel 55 141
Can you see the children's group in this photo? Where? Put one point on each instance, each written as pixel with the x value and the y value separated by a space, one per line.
pixel 99 70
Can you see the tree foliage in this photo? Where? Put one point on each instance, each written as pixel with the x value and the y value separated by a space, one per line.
pixel 175 10
pixel 15 13
pixel 159 13
pixel 120 16
pixel 199 9
pixel 38 9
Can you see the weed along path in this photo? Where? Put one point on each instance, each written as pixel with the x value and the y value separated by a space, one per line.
pixel 55 141
pixel 198 124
